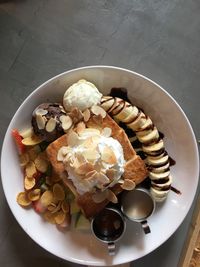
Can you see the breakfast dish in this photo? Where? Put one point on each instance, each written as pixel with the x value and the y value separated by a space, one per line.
pixel 156 103
pixel 99 172
pixel 78 153
pixel 90 157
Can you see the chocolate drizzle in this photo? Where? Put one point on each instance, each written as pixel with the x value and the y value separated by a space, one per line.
pixel 115 107
pixel 120 92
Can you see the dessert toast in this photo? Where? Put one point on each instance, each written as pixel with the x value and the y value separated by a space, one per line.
pixel 134 168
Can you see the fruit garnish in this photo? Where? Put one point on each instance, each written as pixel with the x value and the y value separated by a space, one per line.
pixel 18 140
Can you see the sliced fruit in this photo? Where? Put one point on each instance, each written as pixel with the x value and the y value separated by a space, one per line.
pixel 38 206
pixel 18 140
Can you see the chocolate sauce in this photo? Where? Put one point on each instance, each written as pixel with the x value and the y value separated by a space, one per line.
pixel 160 184
pixel 176 190
pixel 172 162
pixel 127 130
pixel 108 225
pixel 161 135
pixel 120 92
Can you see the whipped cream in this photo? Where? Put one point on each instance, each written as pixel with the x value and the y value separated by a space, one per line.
pixel 91 142
pixel 82 95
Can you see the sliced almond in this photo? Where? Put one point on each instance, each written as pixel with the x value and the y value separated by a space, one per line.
pixel 76 115
pixel 58 192
pixel 97 110
pixel 84 168
pixel 80 158
pixel 30 169
pixel 41 164
pixel 91 175
pixel 51 125
pixel 32 140
pixel 102 178
pixel 86 115
pixel 72 139
pixel 66 122
pixel 26 132
pixel 40 121
pixel 76 163
pixel 108 155
pixel 34 195
pixel 62 152
pixel 89 143
pixel 29 182
pixel 23 200
pixel 46 198
pixel 90 131
pixel 92 124
pixel 106 132
pixel 41 111
pixel 80 127
pixel 98 119
pixel 99 197
pixel 111 196
pixel 91 155
pixel 128 184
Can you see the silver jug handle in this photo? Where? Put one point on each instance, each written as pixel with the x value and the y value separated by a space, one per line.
pixel 145 227
pixel 111 248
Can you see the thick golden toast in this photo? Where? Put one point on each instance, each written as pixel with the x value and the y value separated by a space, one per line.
pixel 134 167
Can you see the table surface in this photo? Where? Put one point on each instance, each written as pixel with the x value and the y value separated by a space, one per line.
pixel 41 38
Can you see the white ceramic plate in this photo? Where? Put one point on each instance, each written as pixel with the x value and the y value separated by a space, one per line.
pixel 180 142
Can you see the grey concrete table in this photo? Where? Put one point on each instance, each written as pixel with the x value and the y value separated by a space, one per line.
pixel 41 38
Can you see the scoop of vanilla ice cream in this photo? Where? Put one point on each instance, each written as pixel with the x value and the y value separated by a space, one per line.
pixel 82 95
pixel 97 144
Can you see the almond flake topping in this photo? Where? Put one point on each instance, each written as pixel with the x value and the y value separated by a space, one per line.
pixel 91 154
pixel 80 127
pixel 99 197
pixel 111 196
pixel 97 110
pixel 102 178
pixel 86 115
pixel 98 119
pixel 128 185
pixel 76 115
pixel 106 132
pixel 85 168
pixel 72 139
pixel 66 122
pixel 40 121
pixel 90 175
pixel 41 111
pixel 51 125
pixel 109 156
pixel 91 131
